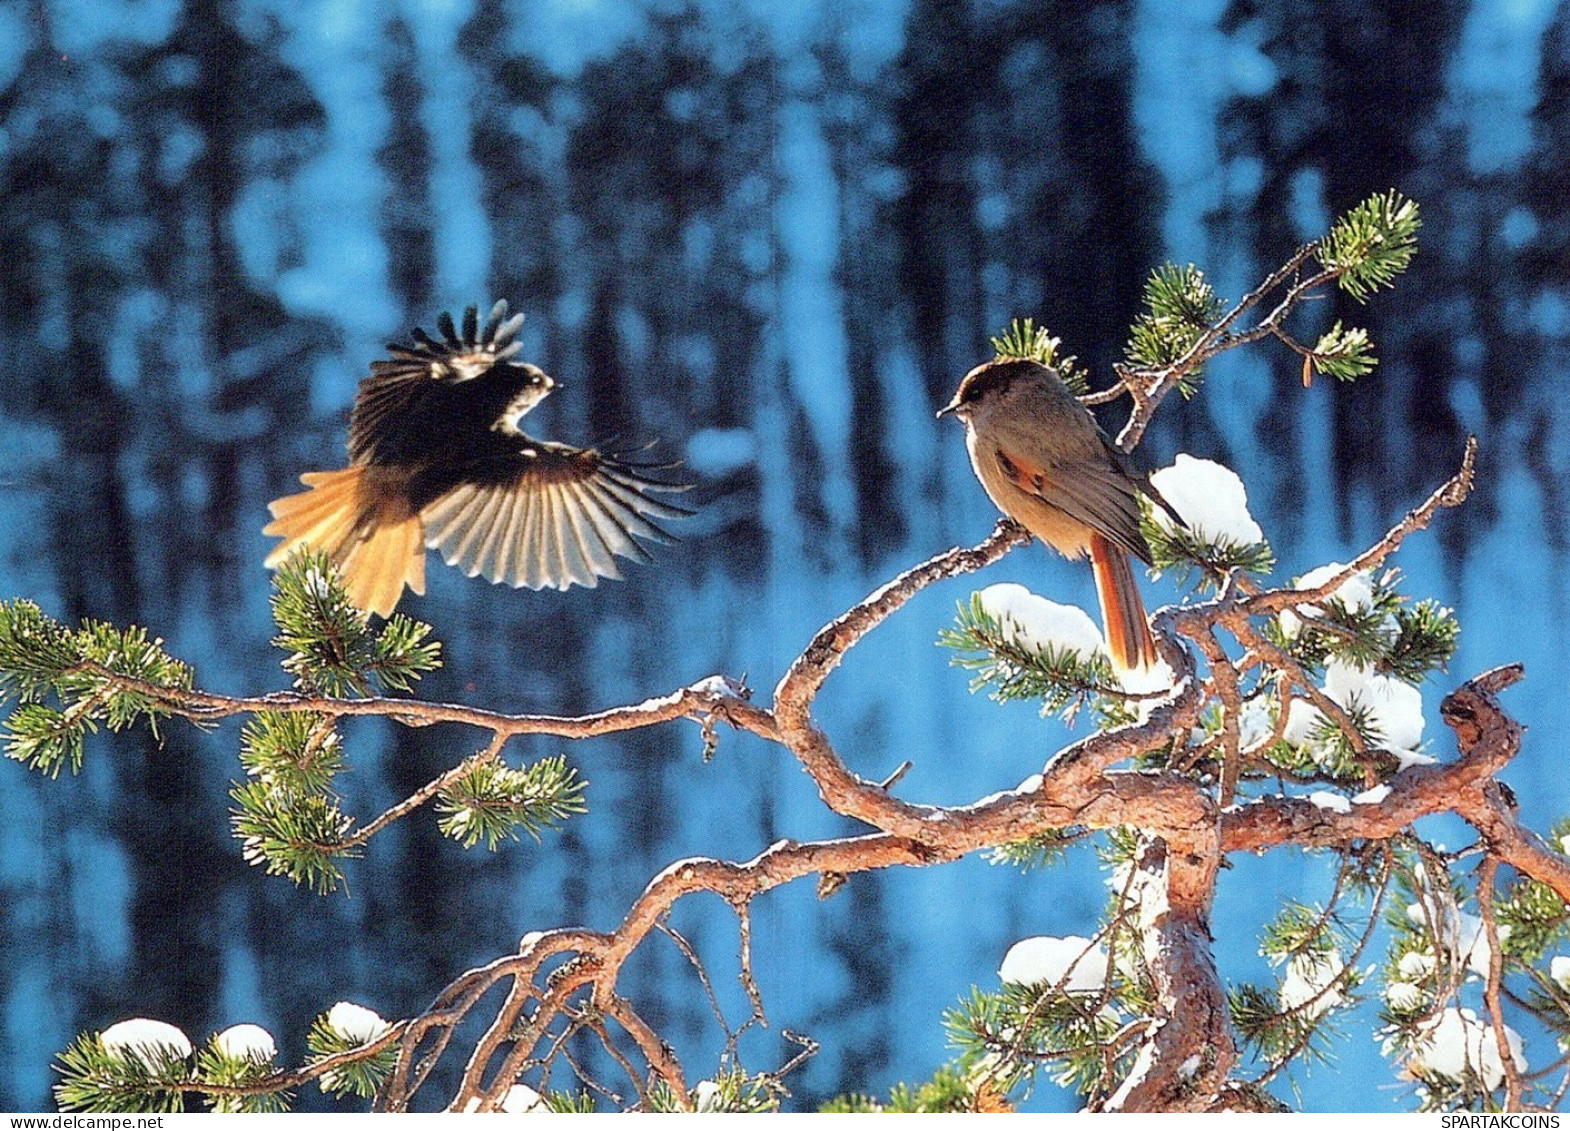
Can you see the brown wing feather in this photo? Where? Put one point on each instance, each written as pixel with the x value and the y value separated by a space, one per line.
pixel 1098 494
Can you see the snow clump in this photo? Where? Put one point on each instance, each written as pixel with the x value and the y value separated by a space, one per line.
pixel 1459 1041
pixel 1355 595
pixel 1211 499
pixel 1393 709
pixel 246 1042
pixel 1464 936
pixel 1311 984
pixel 355 1022
pixel 1040 625
pixel 522 1099
pixel 1073 964
pixel 157 1044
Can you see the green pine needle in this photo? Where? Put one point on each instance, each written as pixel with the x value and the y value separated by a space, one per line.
pixel 851 1103
pixel 1426 637
pixel 1345 354
pixel 1200 562
pixel 37 652
pixel 361 1077
pixel 1392 636
pixel 1537 919
pixel 301 837
pixel 92 1079
pixel 1020 1029
pixel 1025 341
pixel 735 1091
pixel 493 802
pixel 947 1091
pixel 1372 243
pixel 1060 679
pixel 1034 853
pixel 292 752
pixel 69 682
pixel 1180 307
pixel 213 1066
pixel 331 647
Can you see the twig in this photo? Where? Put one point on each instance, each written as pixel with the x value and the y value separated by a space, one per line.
pixel 1486 870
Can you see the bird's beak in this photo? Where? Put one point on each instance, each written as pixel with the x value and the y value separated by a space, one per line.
pixel 948 409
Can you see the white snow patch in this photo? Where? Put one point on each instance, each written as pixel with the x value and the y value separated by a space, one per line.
pixel 706 1096
pixel 530 939
pixel 1457 1041
pixel 247 1042
pixel 1254 722
pixel 1464 936
pixel 1372 796
pixel 522 1100
pixel 355 1022
pixel 1559 971
pixel 1417 964
pixel 1325 799
pixel 1309 983
pixel 1393 709
pixel 1158 677
pixel 1355 595
pixel 1038 624
pixel 1190 1066
pixel 157 1044
pixel 1029 785
pixel 718 685
pixel 1073 964
pixel 1406 759
pixel 1211 499
pixel 1403 996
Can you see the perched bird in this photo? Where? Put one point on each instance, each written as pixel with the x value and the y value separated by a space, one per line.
pixel 436 458
pixel 1047 464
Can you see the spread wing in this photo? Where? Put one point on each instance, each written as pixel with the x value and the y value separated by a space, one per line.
pixel 544 515
pixel 412 392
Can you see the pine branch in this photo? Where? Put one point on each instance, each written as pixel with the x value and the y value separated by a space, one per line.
pixel 1060 678
pixel 1365 249
pixel 492 802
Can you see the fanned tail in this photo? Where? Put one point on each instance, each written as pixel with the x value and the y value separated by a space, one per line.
pixel 376 540
pixel 1122 611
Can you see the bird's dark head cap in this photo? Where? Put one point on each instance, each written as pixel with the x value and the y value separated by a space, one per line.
pixel 990 377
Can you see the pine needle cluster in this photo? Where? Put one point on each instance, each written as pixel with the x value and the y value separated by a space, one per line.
pixel 1011 669
pixel 1190 557
pixel 95 1078
pixel 68 682
pixel 1180 308
pixel 1025 341
pixel 493 802
pixel 328 642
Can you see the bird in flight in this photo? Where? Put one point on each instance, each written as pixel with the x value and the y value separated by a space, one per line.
pixel 437 458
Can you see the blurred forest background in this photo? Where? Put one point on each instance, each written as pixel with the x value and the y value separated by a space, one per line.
pixel 773 236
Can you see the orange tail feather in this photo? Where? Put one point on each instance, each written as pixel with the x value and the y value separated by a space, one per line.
pixel 1128 632
pixel 372 535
